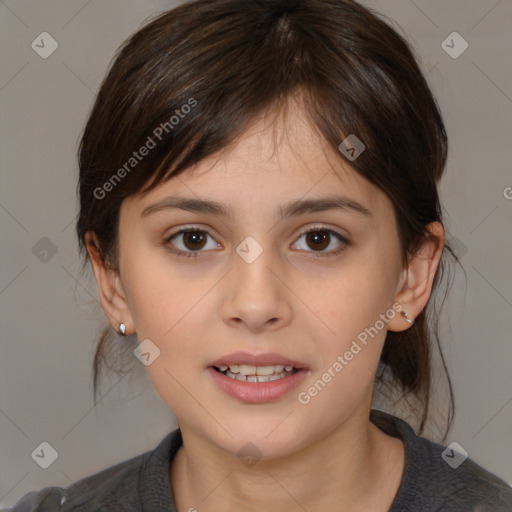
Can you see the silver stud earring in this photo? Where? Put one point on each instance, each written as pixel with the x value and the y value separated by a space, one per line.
pixel 406 316
pixel 122 329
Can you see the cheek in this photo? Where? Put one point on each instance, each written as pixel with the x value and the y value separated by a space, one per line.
pixel 159 291
pixel 354 296
pixel 350 309
pixel 170 306
pixel 355 307
pixel 167 309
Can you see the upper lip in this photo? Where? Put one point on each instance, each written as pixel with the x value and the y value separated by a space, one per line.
pixel 269 359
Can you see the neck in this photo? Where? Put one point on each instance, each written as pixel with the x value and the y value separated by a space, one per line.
pixel 357 466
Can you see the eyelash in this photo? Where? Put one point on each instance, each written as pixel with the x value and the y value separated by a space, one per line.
pixel 314 254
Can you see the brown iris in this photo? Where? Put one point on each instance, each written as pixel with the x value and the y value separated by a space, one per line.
pixel 318 239
pixel 196 239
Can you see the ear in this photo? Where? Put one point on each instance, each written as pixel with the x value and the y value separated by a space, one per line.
pixel 112 296
pixel 416 282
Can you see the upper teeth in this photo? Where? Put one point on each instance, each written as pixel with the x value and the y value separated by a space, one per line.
pixel 246 369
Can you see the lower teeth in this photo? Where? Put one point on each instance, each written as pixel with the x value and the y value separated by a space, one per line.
pixel 258 378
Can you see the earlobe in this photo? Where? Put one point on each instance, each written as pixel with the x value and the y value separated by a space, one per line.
pixel 110 289
pixel 418 278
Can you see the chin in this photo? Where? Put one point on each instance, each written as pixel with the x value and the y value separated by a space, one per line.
pixel 266 439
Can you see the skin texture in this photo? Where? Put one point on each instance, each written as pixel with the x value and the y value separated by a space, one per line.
pixel 287 301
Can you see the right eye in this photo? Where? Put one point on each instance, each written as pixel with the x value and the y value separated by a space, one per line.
pixel 190 242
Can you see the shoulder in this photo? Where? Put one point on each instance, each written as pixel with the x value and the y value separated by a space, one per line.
pixel 440 478
pixel 94 488
pixel 123 486
pixel 45 500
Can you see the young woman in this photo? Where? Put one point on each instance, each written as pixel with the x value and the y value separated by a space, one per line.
pixel 258 200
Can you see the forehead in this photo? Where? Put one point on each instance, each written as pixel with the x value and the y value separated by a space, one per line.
pixel 274 161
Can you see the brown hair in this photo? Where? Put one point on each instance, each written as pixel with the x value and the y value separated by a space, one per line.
pixel 229 62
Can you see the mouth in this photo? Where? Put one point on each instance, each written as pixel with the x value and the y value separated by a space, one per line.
pixel 257 378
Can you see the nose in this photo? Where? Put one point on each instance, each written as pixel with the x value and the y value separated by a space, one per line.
pixel 256 295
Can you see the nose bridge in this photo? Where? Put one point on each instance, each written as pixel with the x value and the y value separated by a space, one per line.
pixel 256 296
pixel 253 277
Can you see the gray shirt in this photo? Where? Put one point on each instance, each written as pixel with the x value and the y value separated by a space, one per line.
pixel 141 484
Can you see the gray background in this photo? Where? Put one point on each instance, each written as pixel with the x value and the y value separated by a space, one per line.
pixel 49 311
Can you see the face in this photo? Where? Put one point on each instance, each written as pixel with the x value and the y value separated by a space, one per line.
pixel 284 286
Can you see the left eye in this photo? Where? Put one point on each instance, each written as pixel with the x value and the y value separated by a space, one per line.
pixel 321 238
pixel 192 241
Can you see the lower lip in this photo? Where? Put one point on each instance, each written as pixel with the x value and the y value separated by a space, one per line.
pixel 257 392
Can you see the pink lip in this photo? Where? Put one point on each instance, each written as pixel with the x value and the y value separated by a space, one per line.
pixel 258 392
pixel 257 360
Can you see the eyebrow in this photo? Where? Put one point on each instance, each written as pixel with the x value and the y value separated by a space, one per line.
pixel 293 208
